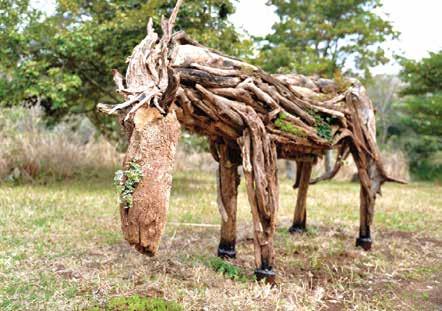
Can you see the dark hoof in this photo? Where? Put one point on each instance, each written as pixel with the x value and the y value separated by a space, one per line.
pixel 226 251
pixel 365 243
pixel 266 274
pixel 297 229
pixel 145 251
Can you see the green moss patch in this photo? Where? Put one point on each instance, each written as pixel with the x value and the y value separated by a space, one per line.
pixel 127 181
pixel 322 125
pixel 285 126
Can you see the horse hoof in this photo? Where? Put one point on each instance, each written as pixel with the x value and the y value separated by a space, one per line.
pixel 365 243
pixel 266 274
pixel 297 229
pixel 226 251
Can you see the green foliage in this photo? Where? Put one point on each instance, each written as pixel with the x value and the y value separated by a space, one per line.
pixel 323 129
pixel 326 36
pixel 194 143
pixel 423 113
pixel 14 16
pixel 285 126
pixel 227 269
pixel 418 127
pixel 138 303
pixel 65 61
pixel 422 77
pixel 322 125
pixel 127 181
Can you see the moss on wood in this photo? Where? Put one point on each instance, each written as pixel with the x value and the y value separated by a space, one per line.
pixel 322 125
pixel 127 181
pixel 285 126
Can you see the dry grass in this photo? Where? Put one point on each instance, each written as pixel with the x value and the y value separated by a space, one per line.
pixel 395 162
pixel 30 151
pixel 61 249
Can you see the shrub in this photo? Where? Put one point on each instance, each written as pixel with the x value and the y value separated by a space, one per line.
pixel 31 151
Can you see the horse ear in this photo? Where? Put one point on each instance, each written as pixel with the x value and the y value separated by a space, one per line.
pixel 119 80
pixel 106 109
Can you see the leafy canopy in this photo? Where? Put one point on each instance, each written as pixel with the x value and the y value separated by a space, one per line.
pixel 325 36
pixel 423 101
pixel 420 114
pixel 65 61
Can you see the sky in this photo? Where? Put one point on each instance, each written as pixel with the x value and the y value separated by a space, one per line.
pixel 419 22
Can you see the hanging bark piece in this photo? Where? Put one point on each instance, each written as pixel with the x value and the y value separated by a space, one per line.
pixel 143 223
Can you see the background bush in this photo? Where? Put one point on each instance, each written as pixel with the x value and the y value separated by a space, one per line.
pixel 30 151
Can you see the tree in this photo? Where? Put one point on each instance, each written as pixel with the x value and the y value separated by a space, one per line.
pixel 326 36
pixel 419 124
pixel 384 92
pixel 65 61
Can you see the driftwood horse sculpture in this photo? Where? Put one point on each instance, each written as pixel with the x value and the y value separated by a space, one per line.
pixel 251 118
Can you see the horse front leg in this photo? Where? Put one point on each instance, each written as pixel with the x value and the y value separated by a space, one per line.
pixel 228 180
pixel 302 181
pixel 259 165
pixel 370 184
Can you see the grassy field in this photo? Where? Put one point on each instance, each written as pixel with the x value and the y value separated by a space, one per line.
pixel 61 249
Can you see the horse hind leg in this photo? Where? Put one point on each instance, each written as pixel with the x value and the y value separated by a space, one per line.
pixel 228 181
pixel 304 172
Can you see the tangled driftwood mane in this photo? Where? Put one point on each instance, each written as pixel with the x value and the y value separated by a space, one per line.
pixel 256 116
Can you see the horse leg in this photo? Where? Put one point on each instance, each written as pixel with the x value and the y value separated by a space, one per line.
pixel 228 181
pixel 259 165
pixel 364 239
pixel 366 172
pixel 300 217
pixel 263 230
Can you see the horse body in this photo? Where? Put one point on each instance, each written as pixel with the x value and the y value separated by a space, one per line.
pixel 250 118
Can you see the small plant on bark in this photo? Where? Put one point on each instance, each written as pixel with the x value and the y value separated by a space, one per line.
pixel 127 181
pixel 285 126
pixel 322 125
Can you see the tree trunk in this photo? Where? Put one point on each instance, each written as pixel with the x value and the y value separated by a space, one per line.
pixel 328 163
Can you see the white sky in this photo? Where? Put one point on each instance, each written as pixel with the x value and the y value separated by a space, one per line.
pixel 420 24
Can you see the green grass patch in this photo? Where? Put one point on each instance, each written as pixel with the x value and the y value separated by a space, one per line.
pixel 61 248
pixel 138 303
pixel 227 269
